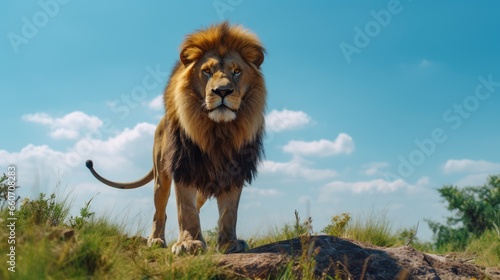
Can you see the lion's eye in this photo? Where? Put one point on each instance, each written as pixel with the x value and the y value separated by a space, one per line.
pixel 207 71
pixel 236 72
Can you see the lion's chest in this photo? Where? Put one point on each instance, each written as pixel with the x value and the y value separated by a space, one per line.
pixel 214 172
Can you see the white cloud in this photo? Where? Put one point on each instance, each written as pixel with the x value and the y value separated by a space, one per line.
pixel 262 192
pixel 39 118
pixel 343 144
pixel 423 181
pixel 37 166
pixel 329 190
pixel 251 205
pixel 286 120
pixel 121 151
pixel 94 188
pixel 470 166
pixel 377 185
pixel 129 150
pixel 472 180
pixel 373 168
pixel 296 168
pixel 156 103
pixel 124 157
pixel 69 126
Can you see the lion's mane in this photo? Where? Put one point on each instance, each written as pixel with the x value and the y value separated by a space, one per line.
pixel 212 156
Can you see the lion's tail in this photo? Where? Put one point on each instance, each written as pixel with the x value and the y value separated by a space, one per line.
pixel 132 185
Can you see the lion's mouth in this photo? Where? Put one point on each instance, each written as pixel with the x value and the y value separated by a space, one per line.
pixel 222 113
pixel 220 104
pixel 222 107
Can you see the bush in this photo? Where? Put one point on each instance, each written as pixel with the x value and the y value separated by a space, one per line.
pixel 85 215
pixel 475 210
pixel 43 211
pixel 338 225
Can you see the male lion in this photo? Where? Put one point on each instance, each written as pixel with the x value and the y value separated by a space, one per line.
pixel 210 139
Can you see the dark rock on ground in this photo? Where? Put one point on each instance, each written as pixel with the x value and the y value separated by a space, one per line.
pixel 346 259
pixel 253 265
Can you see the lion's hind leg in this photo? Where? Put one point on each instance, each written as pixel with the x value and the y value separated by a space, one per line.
pixel 161 194
pixel 190 238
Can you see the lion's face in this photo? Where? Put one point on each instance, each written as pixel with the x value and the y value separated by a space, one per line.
pixel 217 94
pixel 221 84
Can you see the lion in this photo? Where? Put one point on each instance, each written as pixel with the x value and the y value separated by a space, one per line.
pixel 209 142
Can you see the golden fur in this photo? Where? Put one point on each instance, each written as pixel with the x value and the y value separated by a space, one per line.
pixel 200 48
pixel 210 140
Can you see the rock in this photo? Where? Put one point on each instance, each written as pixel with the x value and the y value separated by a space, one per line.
pixel 345 259
pixel 492 273
pixel 253 265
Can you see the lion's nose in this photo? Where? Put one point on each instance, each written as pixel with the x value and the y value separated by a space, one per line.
pixel 223 91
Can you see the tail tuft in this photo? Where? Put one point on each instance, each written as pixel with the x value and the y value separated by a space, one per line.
pixel 89 164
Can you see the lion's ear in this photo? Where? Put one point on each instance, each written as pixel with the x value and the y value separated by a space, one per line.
pixel 255 55
pixel 190 54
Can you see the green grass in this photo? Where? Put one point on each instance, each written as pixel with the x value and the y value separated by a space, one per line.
pixel 52 245
pixel 93 248
pixel 486 249
pixel 288 231
pixel 375 229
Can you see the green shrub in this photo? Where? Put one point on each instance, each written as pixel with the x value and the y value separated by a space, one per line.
pixel 475 210
pixel 408 236
pixel 338 225
pixel 375 229
pixel 85 215
pixel 43 211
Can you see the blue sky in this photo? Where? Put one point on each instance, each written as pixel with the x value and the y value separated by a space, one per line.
pixel 372 105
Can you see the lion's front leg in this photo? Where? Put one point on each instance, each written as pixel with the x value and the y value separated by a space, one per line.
pixel 190 238
pixel 227 242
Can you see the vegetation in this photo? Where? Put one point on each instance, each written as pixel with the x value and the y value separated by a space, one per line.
pixel 375 229
pixel 476 211
pixel 50 244
pixel 288 231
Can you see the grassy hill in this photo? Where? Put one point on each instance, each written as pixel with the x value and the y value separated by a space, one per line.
pixel 50 244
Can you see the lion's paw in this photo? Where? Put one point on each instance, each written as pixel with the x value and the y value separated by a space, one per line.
pixel 191 247
pixel 233 246
pixel 156 242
